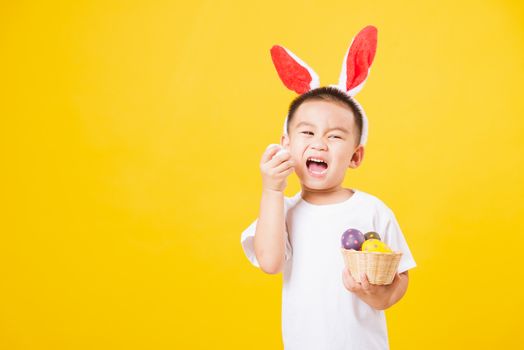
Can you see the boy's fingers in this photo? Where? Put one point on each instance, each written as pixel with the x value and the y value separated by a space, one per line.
pixel 278 159
pixel 364 281
pixel 270 151
pixel 287 172
pixel 284 166
pixel 349 281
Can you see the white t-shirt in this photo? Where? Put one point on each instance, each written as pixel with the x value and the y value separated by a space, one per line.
pixel 318 312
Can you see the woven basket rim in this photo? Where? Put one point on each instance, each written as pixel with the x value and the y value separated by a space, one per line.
pixel 353 251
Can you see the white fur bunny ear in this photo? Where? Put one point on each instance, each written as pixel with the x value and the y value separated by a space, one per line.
pixel 294 73
pixel 358 60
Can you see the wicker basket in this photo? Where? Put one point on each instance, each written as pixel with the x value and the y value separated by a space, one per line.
pixel 380 268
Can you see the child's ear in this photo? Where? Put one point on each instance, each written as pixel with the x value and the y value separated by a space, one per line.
pixel 357 157
pixel 284 141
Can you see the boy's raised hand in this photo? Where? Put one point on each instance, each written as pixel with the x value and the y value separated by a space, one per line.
pixel 275 168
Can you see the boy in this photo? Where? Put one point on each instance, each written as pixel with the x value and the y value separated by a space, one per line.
pixel 323 307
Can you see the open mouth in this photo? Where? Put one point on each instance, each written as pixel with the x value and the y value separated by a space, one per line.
pixel 316 166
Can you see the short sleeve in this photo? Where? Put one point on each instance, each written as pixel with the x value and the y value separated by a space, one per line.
pixel 394 238
pixel 248 244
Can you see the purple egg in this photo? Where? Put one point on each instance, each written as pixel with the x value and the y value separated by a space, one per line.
pixel 352 239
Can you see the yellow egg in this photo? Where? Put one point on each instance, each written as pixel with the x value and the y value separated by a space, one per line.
pixel 374 245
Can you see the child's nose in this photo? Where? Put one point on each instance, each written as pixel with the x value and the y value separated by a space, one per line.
pixel 319 144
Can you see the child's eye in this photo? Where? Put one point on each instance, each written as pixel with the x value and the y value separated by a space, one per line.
pixel 307 132
pixel 336 136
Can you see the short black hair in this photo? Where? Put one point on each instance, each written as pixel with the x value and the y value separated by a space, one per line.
pixel 327 93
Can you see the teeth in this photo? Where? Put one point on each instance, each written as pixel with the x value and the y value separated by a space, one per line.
pixel 320 173
pixel 316 160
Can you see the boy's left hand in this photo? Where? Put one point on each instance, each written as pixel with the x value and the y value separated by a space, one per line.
pixel 377 296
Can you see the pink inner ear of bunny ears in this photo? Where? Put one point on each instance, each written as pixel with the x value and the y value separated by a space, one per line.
pixel 294 73
pixel 360 57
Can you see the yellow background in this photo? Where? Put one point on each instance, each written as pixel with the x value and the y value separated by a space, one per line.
pixel 131 136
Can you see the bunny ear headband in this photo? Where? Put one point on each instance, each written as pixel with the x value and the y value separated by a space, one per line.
pixel 299 77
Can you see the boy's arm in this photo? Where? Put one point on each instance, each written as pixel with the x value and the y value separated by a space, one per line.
pixel 269 242
pixel 269 235
pixel 398 292
pixel 380 297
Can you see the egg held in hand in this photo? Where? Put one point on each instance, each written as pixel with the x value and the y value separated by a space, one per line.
pixel 352 239
pixel 374 245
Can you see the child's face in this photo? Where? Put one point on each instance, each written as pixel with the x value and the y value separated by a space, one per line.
pixel 327 131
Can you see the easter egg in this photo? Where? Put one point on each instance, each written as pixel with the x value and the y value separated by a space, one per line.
pixel 372 235
pixel 352 239
pixel 374 245
pixel 282 150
